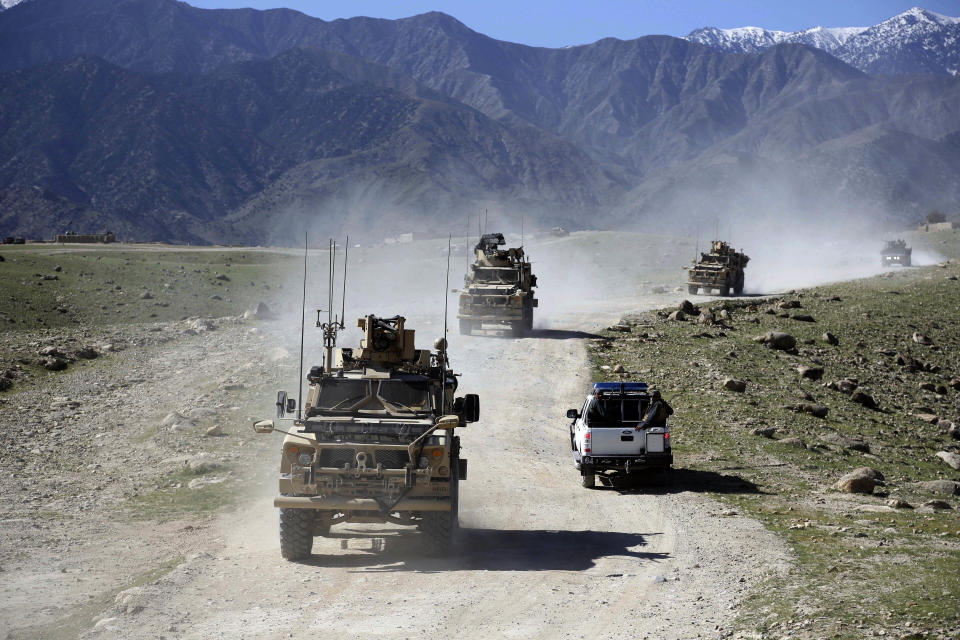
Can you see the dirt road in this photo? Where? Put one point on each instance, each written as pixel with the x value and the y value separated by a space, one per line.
pixel 539 556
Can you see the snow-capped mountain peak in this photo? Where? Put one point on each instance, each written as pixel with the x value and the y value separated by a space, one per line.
pixel 915 41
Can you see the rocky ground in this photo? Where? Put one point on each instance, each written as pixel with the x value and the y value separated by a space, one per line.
pixel 838 405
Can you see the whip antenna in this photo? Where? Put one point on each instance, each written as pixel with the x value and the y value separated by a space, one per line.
pixel 446 292
pixel 303 311
pixel 343 300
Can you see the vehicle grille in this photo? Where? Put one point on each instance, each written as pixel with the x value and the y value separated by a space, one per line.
pixel 337 457
pixel 393 459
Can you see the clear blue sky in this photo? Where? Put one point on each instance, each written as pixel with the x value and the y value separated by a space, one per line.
pixel 560 23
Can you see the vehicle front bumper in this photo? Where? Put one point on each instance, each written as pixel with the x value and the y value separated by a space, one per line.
pixel 359 504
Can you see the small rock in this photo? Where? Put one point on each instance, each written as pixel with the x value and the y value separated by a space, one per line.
pixel 793 442
pixel 260 311
pixel 215 430
pixel 706 317
pixel 788 304
pixel 621 328
pixel 50 278
pixel 778 340
pixel 199 483
pixel 954 383
pixel 920 338
pixel 732 384
pixel 766 432
pixel 52 352
pixel 810 372
pixel 54 364
pixel 861 397
pixel 897 503
pixel 146 295
pixel 687 308
pixel 952 459
pixel 815 410
pixel 928 417
pixel 222 277
pixel 87 353
pixel 937 504
pixel 800 317
pixel 678 316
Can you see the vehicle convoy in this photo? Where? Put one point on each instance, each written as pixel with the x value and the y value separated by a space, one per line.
pixel 498 289
pixel 720 269
pixel 375 441
pixel 896 252
pixel 608 434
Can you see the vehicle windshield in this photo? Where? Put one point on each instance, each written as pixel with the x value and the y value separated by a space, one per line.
pixel 374 396
pixel 497 276
pixel 614 411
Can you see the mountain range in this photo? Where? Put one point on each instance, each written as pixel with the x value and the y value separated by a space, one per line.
pixel 164 121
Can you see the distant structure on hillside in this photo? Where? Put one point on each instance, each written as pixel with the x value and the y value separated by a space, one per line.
pixel 938 226
pixel 86 238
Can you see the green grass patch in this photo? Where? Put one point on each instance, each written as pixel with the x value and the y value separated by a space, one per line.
pixel 175 499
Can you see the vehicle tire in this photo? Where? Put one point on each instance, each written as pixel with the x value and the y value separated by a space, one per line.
pixel 439 528
pixel 465 327
pixel 518 328
pixel 588 479
pixel 528 322
pixel 692 289
pixel 296 533
pixel 724 290
pixel 738 288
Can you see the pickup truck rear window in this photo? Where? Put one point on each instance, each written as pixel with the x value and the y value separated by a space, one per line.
pixel 614 411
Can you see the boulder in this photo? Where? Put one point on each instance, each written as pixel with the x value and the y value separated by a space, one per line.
pixel 897 503
pixel 952 459
pixel 687 307
pixel 810 372
pixel 706 317
pixel 946 487
pixel 778 340
pixel 955 383
pixel 732 384
pixel 845 385
pixel 802 317
pixel 788 304
pixel 829 338
pixel 862 480
pixel 937 504
pixel 52 352
pixel 260 311
pixel 677 315
pixel 766 432
pixel 868 472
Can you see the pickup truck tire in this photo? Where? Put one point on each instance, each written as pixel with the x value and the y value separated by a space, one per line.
pixel 296 533
pixel 588 479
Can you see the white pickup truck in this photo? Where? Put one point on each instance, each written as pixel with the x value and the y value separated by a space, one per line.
pixel 604 435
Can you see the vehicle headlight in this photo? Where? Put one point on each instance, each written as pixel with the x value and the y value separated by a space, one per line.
pixel 305 458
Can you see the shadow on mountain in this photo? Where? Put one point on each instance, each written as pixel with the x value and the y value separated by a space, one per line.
pixel 484 550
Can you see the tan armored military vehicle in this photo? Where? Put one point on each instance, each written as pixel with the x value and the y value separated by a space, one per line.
pixel 896 252
pixel 721 269
pixel 498 289
pixel 375 442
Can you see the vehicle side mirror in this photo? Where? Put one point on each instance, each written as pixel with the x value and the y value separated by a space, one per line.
pixel 448 422
pixel 291 405
pixel 471 407
pixel 573 414
pixel 281 403
pixel 264 426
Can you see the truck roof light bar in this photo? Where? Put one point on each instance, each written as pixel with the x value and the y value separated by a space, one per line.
pixel 619 387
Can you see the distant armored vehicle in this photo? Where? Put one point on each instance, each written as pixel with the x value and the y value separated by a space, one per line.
pixel 375 441
pixel 498 289
pixel 896 252
pixel 720 269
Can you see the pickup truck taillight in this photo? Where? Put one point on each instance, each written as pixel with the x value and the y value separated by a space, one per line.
pixel 586 442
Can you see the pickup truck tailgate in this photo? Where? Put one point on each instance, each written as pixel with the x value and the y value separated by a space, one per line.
pixel 616 441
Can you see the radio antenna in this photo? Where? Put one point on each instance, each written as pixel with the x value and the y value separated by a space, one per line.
pixel 303 312
pixel 446 301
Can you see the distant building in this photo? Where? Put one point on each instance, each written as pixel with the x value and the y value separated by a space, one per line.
pixel 87 238
pixel 938 226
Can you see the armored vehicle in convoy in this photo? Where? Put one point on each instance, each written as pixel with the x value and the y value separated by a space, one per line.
pixel 498 289
pixel 721 269
pixel 896 252
pixel 376 440
pixel 608 436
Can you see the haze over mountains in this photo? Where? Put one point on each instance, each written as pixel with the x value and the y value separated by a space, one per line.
pixel 163 121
